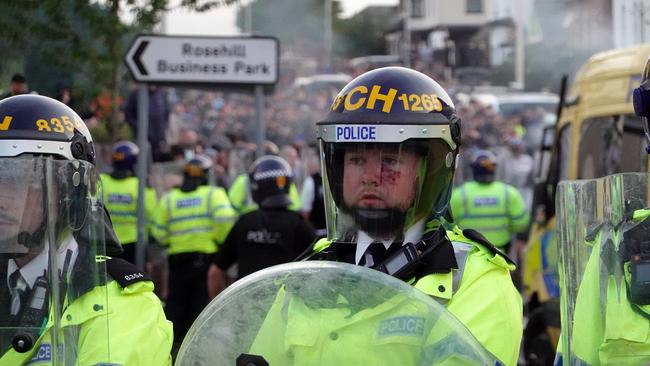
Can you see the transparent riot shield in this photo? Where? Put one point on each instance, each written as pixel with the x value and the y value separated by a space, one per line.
pixel 327 313
pixel 604 240
pixel 51 237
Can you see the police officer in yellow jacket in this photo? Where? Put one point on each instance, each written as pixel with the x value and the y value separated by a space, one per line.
pixel 604 232
pixel 120 189
pixel 389 146
pixel 192 221
pixel 63 299
pixel 493 208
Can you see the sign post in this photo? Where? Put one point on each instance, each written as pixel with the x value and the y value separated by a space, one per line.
pixel 247 63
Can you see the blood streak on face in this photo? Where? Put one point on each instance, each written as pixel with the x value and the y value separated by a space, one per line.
pixel 380 177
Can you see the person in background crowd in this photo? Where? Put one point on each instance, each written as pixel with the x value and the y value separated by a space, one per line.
pixel 312 195
pixel 290 154
pixel 64 95
pixel 17 86
pixel 222 147
pixel 158 118
pixel 188 140
pixel 518 172
pixel 270 235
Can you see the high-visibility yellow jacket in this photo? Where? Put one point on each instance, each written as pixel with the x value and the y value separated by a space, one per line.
pixel 480 294
pixel 121 199
pixel 608 329
pixel 496 210
pixel 115 325
pixel 196 221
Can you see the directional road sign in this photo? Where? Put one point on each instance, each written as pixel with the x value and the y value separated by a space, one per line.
pixel 203 60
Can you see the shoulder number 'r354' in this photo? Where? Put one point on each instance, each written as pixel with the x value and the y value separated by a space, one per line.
pixel 360 97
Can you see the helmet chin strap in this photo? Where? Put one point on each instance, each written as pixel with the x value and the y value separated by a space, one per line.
pixel 381 222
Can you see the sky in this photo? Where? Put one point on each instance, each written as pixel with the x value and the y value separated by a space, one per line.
pixel 221 22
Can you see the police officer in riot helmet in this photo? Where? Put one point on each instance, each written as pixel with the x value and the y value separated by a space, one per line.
pixel 389 145
pixel 484 165
pixel 196 173
pixel 272 234
pixel 606 224
pixel 124 158
pixel 492 207
pixel 120 191
pixel 54 240
pixel 192 221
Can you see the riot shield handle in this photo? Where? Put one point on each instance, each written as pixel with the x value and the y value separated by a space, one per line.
pixel 250 360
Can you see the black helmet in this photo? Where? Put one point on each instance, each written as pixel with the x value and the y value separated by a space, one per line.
pixel 270 177
pixel 47 143
pixel 641 99
pixel 391 117
pixel 34 124
pixel 484 165
pixel 125 156
pixel 196 172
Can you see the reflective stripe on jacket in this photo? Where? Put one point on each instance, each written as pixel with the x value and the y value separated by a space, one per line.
pixel 496 210
pixel 121 200
pixel 196 221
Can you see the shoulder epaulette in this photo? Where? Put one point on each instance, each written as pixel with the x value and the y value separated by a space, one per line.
pixel 124 272
pixel 479 238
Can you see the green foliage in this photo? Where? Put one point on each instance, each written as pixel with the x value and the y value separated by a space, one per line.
pixel 362 34
pixel 77 40
pixel 80 41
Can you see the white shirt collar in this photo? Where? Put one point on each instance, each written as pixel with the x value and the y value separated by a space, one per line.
pixel 37 266
pixel 364 240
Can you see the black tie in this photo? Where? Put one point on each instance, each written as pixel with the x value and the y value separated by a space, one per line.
pixel 17 283
pixel 378 253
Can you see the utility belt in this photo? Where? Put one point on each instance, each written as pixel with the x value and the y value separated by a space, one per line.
pixel 190 259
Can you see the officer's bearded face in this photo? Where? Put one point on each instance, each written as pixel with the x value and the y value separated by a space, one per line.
pixel 380 178
pixel 21 208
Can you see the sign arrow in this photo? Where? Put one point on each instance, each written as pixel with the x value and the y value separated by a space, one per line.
pixel 137 57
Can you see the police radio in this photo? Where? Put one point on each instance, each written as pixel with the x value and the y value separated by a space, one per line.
pixel 34 316
pixel 409 258
pixel 402 263
pixel 640 281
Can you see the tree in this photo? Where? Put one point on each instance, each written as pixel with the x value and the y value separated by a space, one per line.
pixel 80 38
pixel 363 33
